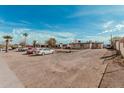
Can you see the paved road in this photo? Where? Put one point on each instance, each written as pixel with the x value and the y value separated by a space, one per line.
pixel 7 78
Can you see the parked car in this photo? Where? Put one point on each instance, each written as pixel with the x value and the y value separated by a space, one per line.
pixel 30 50
pixel 9 48
pixel 2 49
pixel 108 46
pixel 43 51
pixel 21 49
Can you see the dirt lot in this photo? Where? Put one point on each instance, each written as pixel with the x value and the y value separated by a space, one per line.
pixel 77 69
pixel 114 75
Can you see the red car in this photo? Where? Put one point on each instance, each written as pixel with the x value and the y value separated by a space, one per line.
pixel 30 50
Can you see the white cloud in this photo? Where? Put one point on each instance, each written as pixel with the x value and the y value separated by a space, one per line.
pixel 98 38
pixel 112 26
pixel 22 23
pixel 119 27
pixel 115 10
pixel 25 22
pixel 34 34
pixel 51 26
pixel 40 35
pixel 108 24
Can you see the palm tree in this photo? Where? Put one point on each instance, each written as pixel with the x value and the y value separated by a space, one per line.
pixel 25 35
pixel 34 43
pixel 7 39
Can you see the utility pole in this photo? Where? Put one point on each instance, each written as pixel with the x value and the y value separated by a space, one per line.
pixel 111 39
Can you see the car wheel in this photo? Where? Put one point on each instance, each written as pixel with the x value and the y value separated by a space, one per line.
pixel 43 54
pixel 34 53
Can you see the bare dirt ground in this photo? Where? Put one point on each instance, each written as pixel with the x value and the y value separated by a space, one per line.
pixel 77 69
pixel 8 78
pixel 114 75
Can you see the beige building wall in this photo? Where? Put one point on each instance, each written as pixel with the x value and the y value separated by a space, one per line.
pixel 117 45
pixel 90 45
pixel 122 49
pixel 101 46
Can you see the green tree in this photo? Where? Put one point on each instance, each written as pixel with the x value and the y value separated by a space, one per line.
pixel 51 42
pixel 7 40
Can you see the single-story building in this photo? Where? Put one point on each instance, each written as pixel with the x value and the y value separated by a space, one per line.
pixel 84 45
pixel 97 45
pixel 119 46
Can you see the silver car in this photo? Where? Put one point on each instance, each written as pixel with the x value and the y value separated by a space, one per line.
pixel 43 51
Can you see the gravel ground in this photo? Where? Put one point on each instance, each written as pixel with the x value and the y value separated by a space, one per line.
pixel 77 69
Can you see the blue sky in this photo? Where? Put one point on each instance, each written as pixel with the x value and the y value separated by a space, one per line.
pixel 65 23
